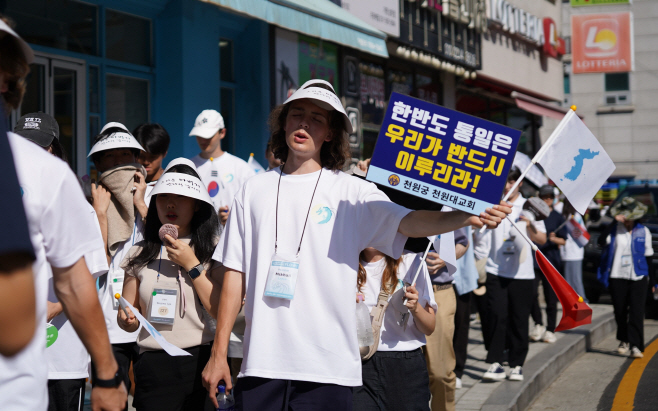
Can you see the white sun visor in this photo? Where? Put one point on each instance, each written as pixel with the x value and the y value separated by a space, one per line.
pixel 116 140
pixel 183 185
pixel 323 98
pixel 181 161
pixel 114 124
pixel 27 51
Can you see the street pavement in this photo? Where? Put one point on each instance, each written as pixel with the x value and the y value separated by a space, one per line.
pixel 602 380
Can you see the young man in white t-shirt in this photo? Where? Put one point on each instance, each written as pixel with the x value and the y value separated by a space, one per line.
pixel 510 288
pixel 302 349
pixel 221 172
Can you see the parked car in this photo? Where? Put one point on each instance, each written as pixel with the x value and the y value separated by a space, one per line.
pixel 647 194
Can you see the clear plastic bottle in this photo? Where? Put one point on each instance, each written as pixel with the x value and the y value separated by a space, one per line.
pixel 363 324
pixel 224 399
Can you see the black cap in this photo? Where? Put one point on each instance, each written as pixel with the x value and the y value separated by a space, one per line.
pixel 38 127
pixel 546 191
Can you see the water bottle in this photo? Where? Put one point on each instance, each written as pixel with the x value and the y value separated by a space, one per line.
pixel 363 325
pixel 224 399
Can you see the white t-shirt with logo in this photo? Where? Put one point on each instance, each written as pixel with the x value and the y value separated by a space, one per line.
pixel 313 336
pixel 61 230
pixel 67 357
pixel 505 254
pixel 223 177
pixel 394 337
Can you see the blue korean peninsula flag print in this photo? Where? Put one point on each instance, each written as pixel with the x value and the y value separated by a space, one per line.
pixel 442 155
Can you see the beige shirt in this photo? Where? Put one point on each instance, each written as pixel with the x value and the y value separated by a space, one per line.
pixel 190 329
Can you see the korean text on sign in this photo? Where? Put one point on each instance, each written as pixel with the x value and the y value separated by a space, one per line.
pixel 442 155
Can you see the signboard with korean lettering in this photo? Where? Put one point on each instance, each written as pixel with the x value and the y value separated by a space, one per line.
pixel 442 155
pixel 575 3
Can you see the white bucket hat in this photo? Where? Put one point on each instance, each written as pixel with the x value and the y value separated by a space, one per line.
pixel 116 140
pixel 182 184
pixel 27 51
pixel 207 124
pixel 316 90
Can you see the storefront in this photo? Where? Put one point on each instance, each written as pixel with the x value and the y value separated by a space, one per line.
pixel 520 83
pixel 431 44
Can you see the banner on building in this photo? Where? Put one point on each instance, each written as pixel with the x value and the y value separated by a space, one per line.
pixel 602 43
pixel 575 3
pixel 383 15
pixel 301 58
pixel 442 155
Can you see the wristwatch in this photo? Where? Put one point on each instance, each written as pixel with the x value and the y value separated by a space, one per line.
pixel 196 271
pixel 111 383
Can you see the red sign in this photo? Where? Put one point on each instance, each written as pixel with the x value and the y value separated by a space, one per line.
pixel 602 43
pixel 553 44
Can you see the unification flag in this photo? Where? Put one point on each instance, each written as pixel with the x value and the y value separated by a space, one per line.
pixel 255 165
pixel 577 232
pixel 576 162
pixel 575 312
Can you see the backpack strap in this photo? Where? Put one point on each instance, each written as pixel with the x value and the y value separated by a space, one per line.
pixel 377 314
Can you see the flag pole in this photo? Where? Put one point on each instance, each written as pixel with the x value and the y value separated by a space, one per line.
pixel 427 250
pixel 540 153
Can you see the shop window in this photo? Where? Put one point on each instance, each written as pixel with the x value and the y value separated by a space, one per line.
pixel 127 38
pixel 567 84
pixel 227 101
pixel 127 100
pixel 62 24
pixel 617 88
pixel 427 89
pixel 226 62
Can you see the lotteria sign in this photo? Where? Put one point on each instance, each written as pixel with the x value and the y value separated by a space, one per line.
pixel 540 32
pixel 602 43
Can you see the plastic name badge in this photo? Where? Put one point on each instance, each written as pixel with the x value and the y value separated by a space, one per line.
pixel 163 305
pixel 282 277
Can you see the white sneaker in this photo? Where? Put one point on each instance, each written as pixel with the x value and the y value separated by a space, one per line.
pixel 636 353
pixel 516 374
pixel 458 383
pixel 537 332
pixel 623 348
pixel 549 337
pixel 495 373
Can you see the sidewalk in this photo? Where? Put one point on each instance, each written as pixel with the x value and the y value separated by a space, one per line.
pixel 543 364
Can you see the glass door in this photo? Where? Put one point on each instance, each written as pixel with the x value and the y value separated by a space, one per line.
pixel 56 86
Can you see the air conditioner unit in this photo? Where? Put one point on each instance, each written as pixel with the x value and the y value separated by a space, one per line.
pixel 618 98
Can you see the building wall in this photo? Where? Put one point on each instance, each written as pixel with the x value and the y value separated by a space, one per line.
pixel 628 137
pixel 517 62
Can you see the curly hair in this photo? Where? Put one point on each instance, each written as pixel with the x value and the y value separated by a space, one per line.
pixel 14 66
pixel 334 154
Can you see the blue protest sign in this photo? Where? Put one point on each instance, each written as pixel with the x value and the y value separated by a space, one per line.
pixel 442 155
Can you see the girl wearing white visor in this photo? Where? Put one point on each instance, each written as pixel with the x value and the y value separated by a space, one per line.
pixel 293 239
pixel 171 280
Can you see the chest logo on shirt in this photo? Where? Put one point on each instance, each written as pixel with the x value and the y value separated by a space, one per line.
pixel 321 214
pixel 213 188
pixel 51 335
pixel 228 178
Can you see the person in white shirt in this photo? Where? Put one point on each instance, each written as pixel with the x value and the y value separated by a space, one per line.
pixel 59 220
pixel 113 148
pixel 221 172
pixel 510 292
pixel 68 360
pixel 626 265
pixel 305 224
pixel 395 377
pixel 572 253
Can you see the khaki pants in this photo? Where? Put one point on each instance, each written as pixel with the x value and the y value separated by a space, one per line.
pixel 440 354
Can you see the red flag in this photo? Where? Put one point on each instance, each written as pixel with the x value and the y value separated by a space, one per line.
pixel 574 311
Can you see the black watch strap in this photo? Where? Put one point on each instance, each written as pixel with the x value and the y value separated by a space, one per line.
pixel 111 383
pixel 196 271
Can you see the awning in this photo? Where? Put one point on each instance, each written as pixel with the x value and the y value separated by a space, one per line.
pixel 539 107
pixel 316 18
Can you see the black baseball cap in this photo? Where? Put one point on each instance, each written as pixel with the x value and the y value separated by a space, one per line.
pixel 546 191
pixel 39 127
